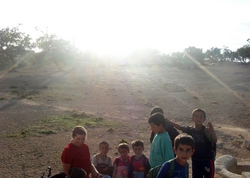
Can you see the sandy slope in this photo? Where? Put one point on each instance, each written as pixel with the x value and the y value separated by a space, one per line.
pixel 123 94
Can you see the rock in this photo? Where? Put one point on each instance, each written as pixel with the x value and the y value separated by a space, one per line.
pixel 246 144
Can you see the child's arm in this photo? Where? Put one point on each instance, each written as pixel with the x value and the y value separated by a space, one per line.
pixel 147 165
pixel 166 149
pixel 212 132
pixel 174 124
pixel 94 160
pixel 110 161
pixel 114 170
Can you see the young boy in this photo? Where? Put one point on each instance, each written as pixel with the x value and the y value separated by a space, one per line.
pixel 121 163
pixel 168 126
pixel 161 147
pixel 102 161
pixel 178 167
pixel 205 138
pixel 139 165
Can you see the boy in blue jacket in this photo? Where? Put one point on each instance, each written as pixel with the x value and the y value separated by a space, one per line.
pixel 178 167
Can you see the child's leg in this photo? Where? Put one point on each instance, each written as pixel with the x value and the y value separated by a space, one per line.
pixel 197 169
pixel 208 169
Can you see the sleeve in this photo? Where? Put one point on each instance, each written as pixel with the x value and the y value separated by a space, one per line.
pixel 114 169
pixel 66 157
pixel 147 165
pixel 186 129
pixel 110 161
pixel 166 147
pixel 172 131
pixel 130 169
pixel 94 161
pixel 208 134
pixel 163 173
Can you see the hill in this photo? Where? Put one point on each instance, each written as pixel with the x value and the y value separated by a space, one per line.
pixel 122 95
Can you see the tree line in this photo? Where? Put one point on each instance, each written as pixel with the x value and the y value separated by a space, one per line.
pixel 17 46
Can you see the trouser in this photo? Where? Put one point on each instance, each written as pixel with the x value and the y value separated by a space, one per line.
pixel 203 169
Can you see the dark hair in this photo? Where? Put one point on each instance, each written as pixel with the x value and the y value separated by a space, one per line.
pixel 157 119
pixel 123 146
pixel 77 173
pixel 137 143
pixel 80 130
pixel 184 139
pixel 103 143
pixel 156 109
pixel 199 110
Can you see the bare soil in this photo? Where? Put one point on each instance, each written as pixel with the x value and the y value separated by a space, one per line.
pixel 118 93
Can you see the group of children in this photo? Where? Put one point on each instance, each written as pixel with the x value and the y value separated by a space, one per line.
pixel 169 151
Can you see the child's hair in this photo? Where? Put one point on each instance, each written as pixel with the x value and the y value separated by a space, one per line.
pixel 123 146
pixel 157 119
pixel 80 130
pixel 78 173
pixel 137 143
pixel 103 143
pixel 199 110
pixel 184 139
pixel 156 109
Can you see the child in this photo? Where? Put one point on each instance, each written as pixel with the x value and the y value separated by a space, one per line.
pixel 168 126
pixel 76 154
pixel 139 165
pixel 121 163
pixel 178 167
pixel 205 138
pixel 102 161
pixel 161 148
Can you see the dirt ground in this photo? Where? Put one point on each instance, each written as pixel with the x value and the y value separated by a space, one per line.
pixel 118 93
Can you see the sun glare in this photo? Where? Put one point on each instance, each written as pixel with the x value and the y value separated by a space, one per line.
pixel 119 27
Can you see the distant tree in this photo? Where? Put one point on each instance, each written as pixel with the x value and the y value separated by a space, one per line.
pixel 214 54
pixel 177 58
pixel 244 54
pixel 230 55
pixel 195 55
pixel 57 50
pixel 13 43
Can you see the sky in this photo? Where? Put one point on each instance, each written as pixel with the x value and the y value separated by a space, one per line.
pixel 120 26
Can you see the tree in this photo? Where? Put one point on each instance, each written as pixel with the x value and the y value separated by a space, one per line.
pixel 55 49
pixel 194 54
pixel 244 53
pixel 214 54
pixel 12 43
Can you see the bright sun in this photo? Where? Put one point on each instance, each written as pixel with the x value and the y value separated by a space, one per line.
pixel 119 27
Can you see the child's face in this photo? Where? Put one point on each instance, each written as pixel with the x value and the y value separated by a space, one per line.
pixel 138 150
pixel 123 153
pixel 156 128
pixel 198 118
pixel 183 153
pixel 78 140
pixel 104 148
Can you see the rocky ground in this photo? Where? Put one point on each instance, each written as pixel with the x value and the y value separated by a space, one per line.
pixel 123 94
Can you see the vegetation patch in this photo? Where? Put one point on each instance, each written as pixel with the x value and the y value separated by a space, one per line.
pixel 54 124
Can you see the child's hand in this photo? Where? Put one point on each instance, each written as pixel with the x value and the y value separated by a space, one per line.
pixel 212 132
pixel 210 127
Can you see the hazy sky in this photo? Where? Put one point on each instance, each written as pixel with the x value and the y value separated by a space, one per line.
pixel 114 26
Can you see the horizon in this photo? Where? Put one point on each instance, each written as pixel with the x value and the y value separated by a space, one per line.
pixel 120 27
